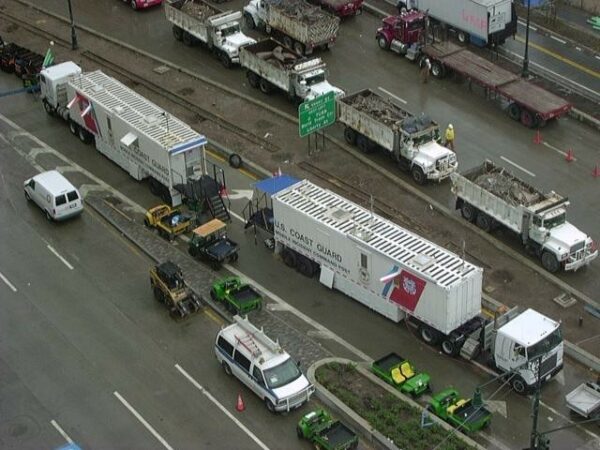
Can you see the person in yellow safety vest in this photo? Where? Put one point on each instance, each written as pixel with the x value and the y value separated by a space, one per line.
pixel 450 137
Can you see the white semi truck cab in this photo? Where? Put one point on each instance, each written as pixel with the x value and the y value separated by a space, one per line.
pixel 312 81
pixel 228 36
pixel 526 341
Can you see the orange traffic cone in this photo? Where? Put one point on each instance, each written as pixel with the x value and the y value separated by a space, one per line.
pixel 569 157
pixel 537 139
pixel 240 403
pixel 596 171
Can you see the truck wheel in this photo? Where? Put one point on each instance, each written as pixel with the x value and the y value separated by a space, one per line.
pixel 268 29
pixel 84 135
pixel 49 110
pixel 383 43
pixel 264 86
pixel 518 384
pixel 225 60
pixel 253 79
pixel 304 267
pixel 483 221
pixel 550 262
pixel 288 42
pixel 270 406
pixel 235 161
pixel 449 347
pixel 177 33
pixel 249 21
pixel 289 259
pixel 226 368
pixel 527 118
pixel 299 47
pixel 514 111
pixel 158 295
pixel 468 212
pixel 350 135
pixel 363 144
pixel 188 39
pixel 418 175
pixel 437 69
pixel 213 294
pixel 462 37
pixel 155 187
pixel 429 335
pixel 73 127
pixel 299 432
pixel 233 258
pixel 27 196
pixel 133 4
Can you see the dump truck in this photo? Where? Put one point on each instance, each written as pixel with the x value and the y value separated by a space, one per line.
pixel 299 25
pixel 141 138
pixel 373 122
pixel 269 66
pixel 403 276
pixel 169 288
pixel 325 432
pixel 210 243
pixel 199 22
pixel 491 196
pixel 400 373
pixel 466 414
pixel 481 22
pixel 237 296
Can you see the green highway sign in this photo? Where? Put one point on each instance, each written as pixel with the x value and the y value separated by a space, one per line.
pixel 316 114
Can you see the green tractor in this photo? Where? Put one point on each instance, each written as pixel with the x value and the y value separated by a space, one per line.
pixel 238 297
pixel 468 415
pixel 325 432
pixel 400 373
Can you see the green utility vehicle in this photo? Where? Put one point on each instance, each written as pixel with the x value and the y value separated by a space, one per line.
pixel 210 243
pixel 238 297
pixel 326 433
pixel 467 414
pixel 400 373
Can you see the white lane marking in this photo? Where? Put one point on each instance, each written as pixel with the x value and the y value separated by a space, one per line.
pixel 8 283
pixel 524 24
pixel 139 417
pixel 252 436
pixel 557 150
pixel 557 39
pixel 61 431
pixel 392 95
pixel 65 262
pixel 580 427
pixel 578 49
pixel 518 166
pixel 597 56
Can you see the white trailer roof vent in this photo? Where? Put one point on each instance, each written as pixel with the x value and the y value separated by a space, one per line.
pixel 423 261
pixel 118 110
pixel 339 214
pixel 97 88
pixel 152 119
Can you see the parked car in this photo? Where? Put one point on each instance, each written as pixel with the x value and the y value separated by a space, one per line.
pixel 54 194
pixel 142 4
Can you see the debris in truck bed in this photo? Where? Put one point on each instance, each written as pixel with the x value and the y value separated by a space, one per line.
pixel 378 108
pixel 278 57
pixel 199 10
pixel 302 11
pixel 502 184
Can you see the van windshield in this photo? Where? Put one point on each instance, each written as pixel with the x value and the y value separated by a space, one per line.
pixel 283 374
pixel 545 345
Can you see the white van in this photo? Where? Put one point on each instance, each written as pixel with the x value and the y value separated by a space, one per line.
pixel 53 193
pixel 261 364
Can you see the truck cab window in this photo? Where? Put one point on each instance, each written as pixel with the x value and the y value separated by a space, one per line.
pixel 364 261
pixel 257 374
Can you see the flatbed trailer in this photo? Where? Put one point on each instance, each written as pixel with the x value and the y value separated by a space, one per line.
pixel 532 105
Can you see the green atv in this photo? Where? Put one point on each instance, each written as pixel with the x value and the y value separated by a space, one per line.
pixel 326 433
pixel 467 414
pixel 238 297
pixel 399 372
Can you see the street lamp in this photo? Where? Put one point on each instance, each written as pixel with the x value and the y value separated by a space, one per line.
pixel 73 35
pixel 525 71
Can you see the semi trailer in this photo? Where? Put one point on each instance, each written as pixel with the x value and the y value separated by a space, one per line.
pixel 373 122
pixel 491 196
pixel 403 276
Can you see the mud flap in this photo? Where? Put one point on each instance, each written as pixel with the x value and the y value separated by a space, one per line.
pixel 326 276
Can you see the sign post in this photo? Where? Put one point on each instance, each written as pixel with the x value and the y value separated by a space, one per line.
pixel 314 115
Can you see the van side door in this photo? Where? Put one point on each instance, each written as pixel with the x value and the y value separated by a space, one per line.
pixel 241 368
pixel 259 386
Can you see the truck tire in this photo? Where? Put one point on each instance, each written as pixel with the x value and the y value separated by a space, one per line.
pixel 363 144
pixel 268 29
pixel 429 335
pixel 73 127
pixel 158 295
pixel 187 39
pixel 226 368
pixel 527 118
pixel 462 37
pixel 155 187
pixel 514 111
pixel 289 258
pixel 299 432
pixel 264 86
pixel 249 21
pixel 469 212
pixel 518 384
pixel 84 135
pixel 418 175
pixel 450 347
pixel 438 70
pixel 550 262
pixel 133 4
pixel 253 79
pixel 484 221
pixel 299 47
pixel 288 42
pixel 270 406
pixel 48 108
pixel 382 41
pixel 177 33
pixel 350 135
pixel 225 60
pixel 304 266
pixel 235 161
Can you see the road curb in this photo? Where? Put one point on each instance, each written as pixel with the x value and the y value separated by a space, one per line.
pixel 363 427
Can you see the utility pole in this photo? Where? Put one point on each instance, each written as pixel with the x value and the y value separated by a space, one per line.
pixel 525 72
pixel 534 438
pixel 73 35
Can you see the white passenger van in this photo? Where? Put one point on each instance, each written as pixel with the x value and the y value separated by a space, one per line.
pixel 261 364
pixel 54 194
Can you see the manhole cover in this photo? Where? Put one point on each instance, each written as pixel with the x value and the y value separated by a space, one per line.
pixel 565 300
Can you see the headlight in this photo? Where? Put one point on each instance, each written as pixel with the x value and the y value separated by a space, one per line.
pixel 564 256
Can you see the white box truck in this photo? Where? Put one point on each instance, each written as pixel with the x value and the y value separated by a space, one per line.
pixel 269 65
pixel 372 122
pixel 197 21
pixel 482 22
pixel 143 139
pixel 491 196
pixel 298 24
pixel 403 276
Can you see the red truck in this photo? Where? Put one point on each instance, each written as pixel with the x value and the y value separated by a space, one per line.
pixel 528 103
pixel 341 8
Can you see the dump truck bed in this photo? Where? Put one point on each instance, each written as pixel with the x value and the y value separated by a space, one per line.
pixel 304 22
pixel 585 399
pixel 491 76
